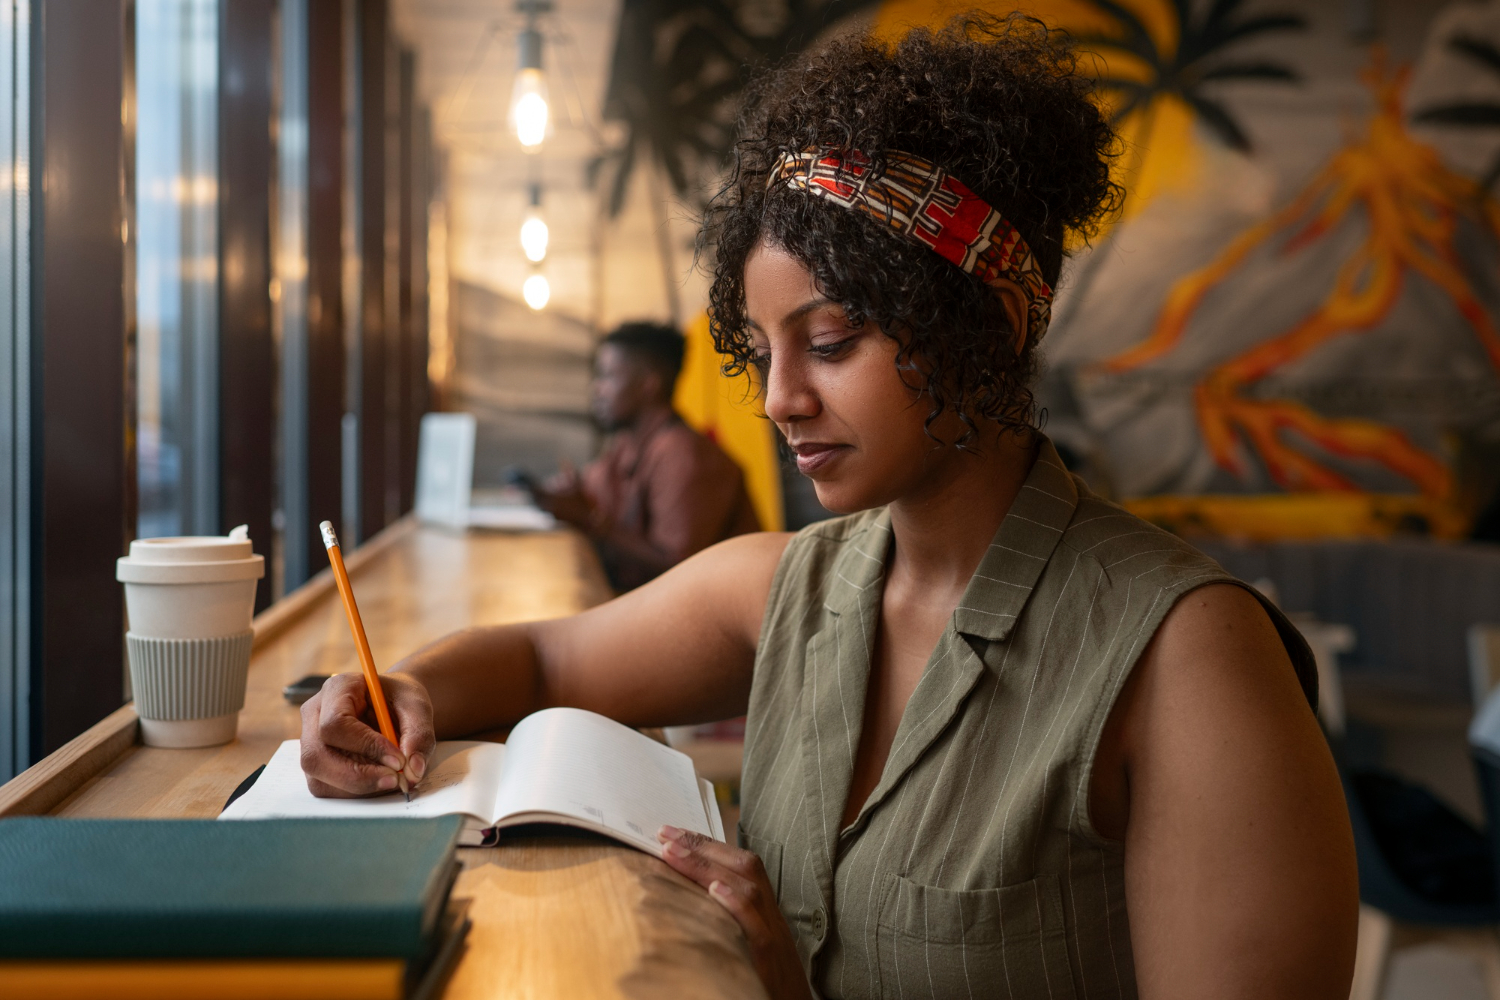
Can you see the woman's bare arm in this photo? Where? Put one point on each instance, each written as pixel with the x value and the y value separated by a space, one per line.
pixel 679 650
pixel 1239 862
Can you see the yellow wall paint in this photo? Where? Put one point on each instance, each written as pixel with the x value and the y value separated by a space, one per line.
pixel 897 17
pixel 722 409
pixel 1281 516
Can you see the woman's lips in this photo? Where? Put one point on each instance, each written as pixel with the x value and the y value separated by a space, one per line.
pixel 813 455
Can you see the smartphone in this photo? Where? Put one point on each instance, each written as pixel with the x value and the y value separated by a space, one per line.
pixel 299 691
pixel 514 475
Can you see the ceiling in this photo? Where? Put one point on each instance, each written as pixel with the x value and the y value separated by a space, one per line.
pixel 601 271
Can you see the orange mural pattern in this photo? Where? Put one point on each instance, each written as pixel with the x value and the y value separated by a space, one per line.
pixel 1411 204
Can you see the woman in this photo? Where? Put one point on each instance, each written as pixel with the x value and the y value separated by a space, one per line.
pixel 1004 739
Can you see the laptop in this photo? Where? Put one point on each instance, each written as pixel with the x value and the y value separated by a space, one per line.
pixel 445 482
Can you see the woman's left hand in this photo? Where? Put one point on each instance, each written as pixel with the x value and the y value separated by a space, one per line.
pixel 737 881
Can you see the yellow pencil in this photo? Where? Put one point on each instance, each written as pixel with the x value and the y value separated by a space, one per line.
pixel 366 660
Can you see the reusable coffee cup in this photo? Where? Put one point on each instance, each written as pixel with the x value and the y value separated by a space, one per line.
pixel 190 601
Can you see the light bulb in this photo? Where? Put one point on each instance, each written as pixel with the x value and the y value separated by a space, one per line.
pixel 534 237
pixel 536 292
pixel 528 107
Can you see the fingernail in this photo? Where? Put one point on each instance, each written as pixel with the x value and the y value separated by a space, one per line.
pixel 668 833
pixel 719 889
pixel 391 761
pixel 416 766
pixel 676 848
pixel 386 782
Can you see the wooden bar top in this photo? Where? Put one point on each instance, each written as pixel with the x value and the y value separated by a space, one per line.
pixel 563 916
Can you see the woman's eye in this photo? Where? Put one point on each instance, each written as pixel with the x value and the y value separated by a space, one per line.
pixel 762 362
pixel 831 350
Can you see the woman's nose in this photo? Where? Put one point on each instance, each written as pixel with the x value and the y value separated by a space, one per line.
pixel 789 398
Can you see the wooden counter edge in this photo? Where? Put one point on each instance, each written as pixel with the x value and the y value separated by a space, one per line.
pixel 43 785
pixel 52 779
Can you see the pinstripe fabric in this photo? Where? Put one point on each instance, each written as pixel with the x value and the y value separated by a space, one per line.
pixel 973 869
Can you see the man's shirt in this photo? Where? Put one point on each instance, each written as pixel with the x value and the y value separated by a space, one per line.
pixel 664 483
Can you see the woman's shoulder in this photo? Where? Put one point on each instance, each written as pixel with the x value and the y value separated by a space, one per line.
pixel 1127 547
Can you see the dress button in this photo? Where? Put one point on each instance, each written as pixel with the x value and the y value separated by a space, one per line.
pixel 819 922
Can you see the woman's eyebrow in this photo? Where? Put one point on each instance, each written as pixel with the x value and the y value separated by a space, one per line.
pixel 795 314
pixel 804 309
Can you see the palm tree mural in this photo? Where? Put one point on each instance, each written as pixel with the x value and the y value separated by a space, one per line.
pixel 1471 114
pixel 1410 208
pixel 1182 68
pixel 679 64
pixel 1194 57
pixel 678 67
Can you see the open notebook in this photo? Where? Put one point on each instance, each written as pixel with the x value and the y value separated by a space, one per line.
pixel 561 765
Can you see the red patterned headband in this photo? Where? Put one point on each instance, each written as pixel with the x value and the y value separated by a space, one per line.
pixel 923 202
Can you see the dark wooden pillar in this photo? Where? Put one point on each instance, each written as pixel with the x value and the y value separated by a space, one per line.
pixel 374 77
pixel 81 419
pixel 247 358
pixel 325 270
pixel 408 199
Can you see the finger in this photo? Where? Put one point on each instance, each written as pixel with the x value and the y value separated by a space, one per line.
pixel 333 773
pixel 690 854
pixel 413 713
pixel 386 782
pixel 746 864
pixel 746 910
pixel 340 726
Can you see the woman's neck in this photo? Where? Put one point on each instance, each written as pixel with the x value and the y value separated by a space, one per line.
pixel 943 528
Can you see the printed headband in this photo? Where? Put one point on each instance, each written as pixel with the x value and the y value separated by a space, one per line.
pixel 923 202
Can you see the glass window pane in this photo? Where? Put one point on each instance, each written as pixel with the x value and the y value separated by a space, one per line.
pixel 176 264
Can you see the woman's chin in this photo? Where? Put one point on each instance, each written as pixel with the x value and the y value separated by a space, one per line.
pixel 844 498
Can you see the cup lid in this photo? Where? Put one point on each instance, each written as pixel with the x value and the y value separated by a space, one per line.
pixel 193 548
pixel 191 559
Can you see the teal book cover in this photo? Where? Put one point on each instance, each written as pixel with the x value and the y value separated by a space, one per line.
pixel 98 888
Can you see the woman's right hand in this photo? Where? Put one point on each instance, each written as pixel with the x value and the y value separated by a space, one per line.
pixel 343 753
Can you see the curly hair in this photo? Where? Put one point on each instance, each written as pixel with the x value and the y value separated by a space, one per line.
pixel 997 102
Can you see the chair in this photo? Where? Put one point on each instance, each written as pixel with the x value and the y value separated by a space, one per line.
pixel 1395 912
pixel 1417 858
pixel 1394 915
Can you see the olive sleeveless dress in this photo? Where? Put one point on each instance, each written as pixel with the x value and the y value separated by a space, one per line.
pixel 973 870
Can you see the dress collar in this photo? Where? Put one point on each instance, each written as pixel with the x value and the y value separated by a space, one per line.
pixel 1008 571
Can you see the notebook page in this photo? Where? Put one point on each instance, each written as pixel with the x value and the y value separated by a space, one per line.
pixel 460 779
pixel 582 765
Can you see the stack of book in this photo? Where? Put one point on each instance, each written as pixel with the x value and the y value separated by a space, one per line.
pixel 337 910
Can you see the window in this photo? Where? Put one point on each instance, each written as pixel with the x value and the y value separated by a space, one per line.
pixel 177 56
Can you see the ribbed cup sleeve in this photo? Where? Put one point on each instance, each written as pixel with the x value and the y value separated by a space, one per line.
pixel 189 678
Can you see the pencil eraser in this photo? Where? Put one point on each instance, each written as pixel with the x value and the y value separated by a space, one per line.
pixel 329 538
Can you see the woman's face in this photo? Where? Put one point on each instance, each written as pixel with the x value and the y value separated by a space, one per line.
pixel 858 429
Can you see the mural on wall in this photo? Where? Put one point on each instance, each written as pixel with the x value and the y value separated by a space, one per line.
pixel 1375 282
pixel 1291 329
pixel 1268 352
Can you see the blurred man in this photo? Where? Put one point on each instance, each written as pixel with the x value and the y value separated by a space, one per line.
pixel 660 491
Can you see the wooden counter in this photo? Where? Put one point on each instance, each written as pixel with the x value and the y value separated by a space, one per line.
pixel 565 916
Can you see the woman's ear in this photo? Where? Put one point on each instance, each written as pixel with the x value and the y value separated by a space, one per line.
pixel 1013 298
